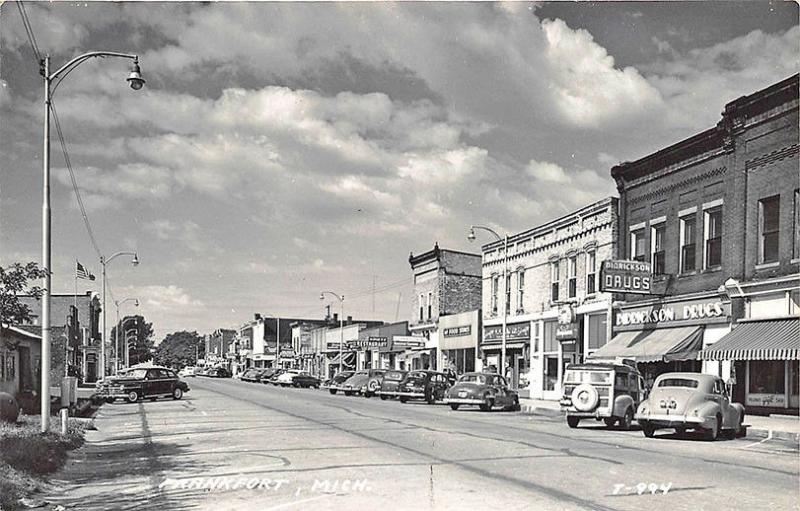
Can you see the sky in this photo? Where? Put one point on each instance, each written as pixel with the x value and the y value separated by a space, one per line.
pixel 283 149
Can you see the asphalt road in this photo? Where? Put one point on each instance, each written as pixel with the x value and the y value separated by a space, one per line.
pixel 307 449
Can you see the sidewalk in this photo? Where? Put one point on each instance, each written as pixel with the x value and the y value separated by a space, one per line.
pixel 785 427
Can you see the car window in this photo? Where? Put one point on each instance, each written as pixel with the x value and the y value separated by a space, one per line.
pixel 473 378
pixel 678 382
pixel 621 381
pixel 633 381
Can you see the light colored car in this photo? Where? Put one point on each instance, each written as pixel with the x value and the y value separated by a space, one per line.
pixel 286 379
pixel 483 390
pixel 607 392
pixel 187 371
pixel 691 401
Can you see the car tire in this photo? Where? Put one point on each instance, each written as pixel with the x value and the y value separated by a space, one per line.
pixel 153 399
pixel 133 396
pixel 384 398
pixel 430 398
pixel 488 405
pixel 110 400
pixel 626 420
pixel 680 431
pixel 454 406
pixel 740 430
pixel 332 391
pixel 610 421
pixel 573 422
pixel 713 433
pixel 648 430
pixel 348 393
pixel 403 399
pixel 177 393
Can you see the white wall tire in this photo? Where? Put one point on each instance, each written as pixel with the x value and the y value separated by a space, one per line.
pixel 177 393
pixel 133 396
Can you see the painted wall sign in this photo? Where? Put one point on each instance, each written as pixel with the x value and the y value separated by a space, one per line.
pixel 514 332
pixel 457 331
pixel 668 313
pixel 626 277
pixel 778 400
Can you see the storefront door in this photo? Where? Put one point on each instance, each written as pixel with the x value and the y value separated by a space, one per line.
pixel 794 374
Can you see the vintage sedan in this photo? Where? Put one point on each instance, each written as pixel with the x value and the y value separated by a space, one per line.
pixel 335 383
pixel 136 384
pixel 428 385
pixel 306 380
pixel 252 375
pixel 357 384
pixel 683 401
pixel 389 383
pixel 483 390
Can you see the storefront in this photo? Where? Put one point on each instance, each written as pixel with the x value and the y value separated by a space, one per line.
pixel 460 338
pixel 517 342
pixel 665 335
pixel 376 345
pixel 410 352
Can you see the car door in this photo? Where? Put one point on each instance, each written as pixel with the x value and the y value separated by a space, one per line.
pixel 170 381
pixel 501 385
pixel 150 385
pixel 721 397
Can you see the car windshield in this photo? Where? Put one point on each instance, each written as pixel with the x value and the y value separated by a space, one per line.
pixel 679 382
pixel 136 373
pixel 587 377
pixel 473 378
pixel 393 376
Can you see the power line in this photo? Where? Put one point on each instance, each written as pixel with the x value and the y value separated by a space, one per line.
pixel 29 31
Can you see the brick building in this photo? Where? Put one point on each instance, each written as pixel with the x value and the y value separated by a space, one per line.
pixel 445 282
pixel 218 346
pixel 553 309
pixel 713 210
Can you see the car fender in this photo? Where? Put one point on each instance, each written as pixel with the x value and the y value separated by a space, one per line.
pixel 739 409
pixel 707 411
pixel 621 404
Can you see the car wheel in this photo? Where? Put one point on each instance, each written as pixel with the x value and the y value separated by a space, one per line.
pixel 648 430
pixel 488 405
pixel 610 421
pixel 348 393
pixel 740 431
pixel 454 406
pixel 680 431
pixel 332 391
pixel 713 433
pixel 403 399
pixel 177 393
pixel 153 399
pixel 626 421
pixel 430 398
pixel 573 422
pixel 110 400
pixel 133 396
pixel 384 398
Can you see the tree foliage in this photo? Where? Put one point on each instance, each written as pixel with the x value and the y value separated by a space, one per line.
pixel 14 281
pixel 178 349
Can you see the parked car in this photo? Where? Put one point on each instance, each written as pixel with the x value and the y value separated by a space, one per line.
pixel 484 390
pixel 373 385
pixel 357 384
pixel 267 374
pixel 217 372
pixel 389 383
pixel 187 371
pixel 286 378
pixel 427 385
pixel 694 401
pixel 273 380
pixel 306 380
pixel 136 384
pixel 608 392
pixel 252 375
pixel 336 381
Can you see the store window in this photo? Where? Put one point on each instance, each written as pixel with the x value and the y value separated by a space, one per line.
pixel 713 237
pixel 520 290
pixel 657 254
pixel 768 229
pixel 637 245
pixel 767 377
pixel 572 275
pixel 591 271
pixel 688 250
pixel 554 277
pixel 597 335
pixel 495 286
pixel 550 343
pixel 550 372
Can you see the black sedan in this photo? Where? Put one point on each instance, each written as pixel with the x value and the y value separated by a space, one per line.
pixel 306 380
pixel 428 385
pixel 136 384
pixel 252 375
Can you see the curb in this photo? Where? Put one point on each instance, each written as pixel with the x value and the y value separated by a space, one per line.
pixel 540 410
pixel 773 434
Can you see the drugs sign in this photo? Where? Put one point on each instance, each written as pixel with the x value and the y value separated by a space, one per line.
pixel 626 277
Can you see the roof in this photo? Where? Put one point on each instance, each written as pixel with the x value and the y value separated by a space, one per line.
pixel 772 339
pixel 661 344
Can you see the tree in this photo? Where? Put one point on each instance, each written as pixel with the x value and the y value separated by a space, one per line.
pixel 14 282
pixel 140 339
pixel 180 349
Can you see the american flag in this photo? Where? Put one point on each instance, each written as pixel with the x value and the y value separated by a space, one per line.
pixel 81 272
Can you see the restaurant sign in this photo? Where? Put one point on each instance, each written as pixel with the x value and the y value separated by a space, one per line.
pixel 457 331
pixel 670 313
pixel 626 277
pixel 514 332
pixel 371 342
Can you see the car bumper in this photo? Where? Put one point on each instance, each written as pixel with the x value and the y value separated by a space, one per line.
pixel 115 392
pixel 397 393
pixel 671 421
pixel 463 401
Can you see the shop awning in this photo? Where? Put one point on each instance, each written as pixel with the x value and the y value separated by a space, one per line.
pixel 498 346
pixel 774 339
pixel 348 359
pixel 662 344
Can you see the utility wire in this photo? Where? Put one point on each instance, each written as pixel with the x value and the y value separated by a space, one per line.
pixel 29 31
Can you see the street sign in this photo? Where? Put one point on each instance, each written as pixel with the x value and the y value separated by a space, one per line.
pixel 626 277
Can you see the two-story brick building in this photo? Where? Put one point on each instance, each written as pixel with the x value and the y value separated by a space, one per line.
pixel 713 215
pixel 445 282
pixel 554 311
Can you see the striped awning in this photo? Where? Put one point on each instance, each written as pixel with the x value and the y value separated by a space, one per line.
pixel 773 339
pixel 658 345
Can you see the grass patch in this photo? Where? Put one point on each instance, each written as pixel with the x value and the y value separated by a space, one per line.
pixel 27 456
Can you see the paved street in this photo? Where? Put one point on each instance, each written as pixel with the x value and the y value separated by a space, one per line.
pixel 306 448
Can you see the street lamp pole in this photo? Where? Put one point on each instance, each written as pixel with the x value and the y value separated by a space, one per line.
pixel 51 81
pixel 341 322
pixel 118 326
pixel 504 239
pixel 104 262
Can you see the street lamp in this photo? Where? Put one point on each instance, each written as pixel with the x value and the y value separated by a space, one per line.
pixel 51 82
pixel 104 262
pixel 116 330
pixel 341 322
pixel 471 237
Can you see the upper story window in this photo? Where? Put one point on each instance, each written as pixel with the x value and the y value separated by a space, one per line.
pixel 796 233
pixel 713 237
pixel 637 245
pixel 591 271
pixel 495 285
pixel 430 305
pixel 421 307
pixel 572 275
pixel 520 289
pixel 768 229
pixel 657 253
pixel 507 285
pixel 554 277
pixel 688 249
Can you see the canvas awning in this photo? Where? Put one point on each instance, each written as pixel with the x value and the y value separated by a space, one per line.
pixel 775 339
pixel 348 359
pixel 661 344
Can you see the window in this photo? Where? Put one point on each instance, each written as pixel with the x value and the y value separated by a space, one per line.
pixel 495 285
pixel 688 229
pixel 657 255
pixel 796 234
pixel 430 305
pixel 507 285
pixel 597 331
pixel 572 274
pixel 554 281
pixel 768 218
pixel 520 289
pixel 767 377
pixel 591 271
pixel 550 343
pixel 421 307
pixel 637 245
pixel 713 235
